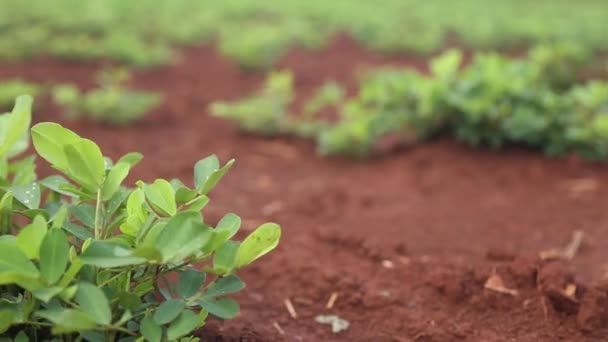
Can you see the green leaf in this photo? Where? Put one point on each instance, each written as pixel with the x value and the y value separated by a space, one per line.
pixel 227 227
pixel 60 216
pixel 183 194
pixel 136 216
pixel 93 336
pixel 189 282
pixel 115 177
pixel 115 202
pixel 150 330
pixel 49 141
pixel 105 254
pixel 69 292
pixel 67 320
pixel 203 169
pixel 27 194
pixel 15 268
pixel 13 128
pixel 54 255
pixel 207 173
pixel 31 236
pixel 225 308
pixel 6 213
pixel 197 204
pixel 161 196
pixel 263 240
pixel 149 240
pixel 78 231
pixel 184 324
pixel 224 286
pixel 168 311
pixel 183 235
pixel 45 294
pixel 7 317
pixel 131 158
pixel 13 263
pixel 22 337
pixel 86 164
pixel 24 170
pixel 93 301
pixel 56 183
pixel 85 213
pixel 447 64
pixel 129 300
pixel 225 257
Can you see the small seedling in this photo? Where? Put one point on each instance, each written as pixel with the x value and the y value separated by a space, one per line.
pixel 112 102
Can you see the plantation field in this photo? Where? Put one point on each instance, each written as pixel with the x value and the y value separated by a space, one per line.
pixel 434 180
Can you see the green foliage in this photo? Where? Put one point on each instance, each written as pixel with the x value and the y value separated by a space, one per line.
pixel 265 113
pixel 493 101
pixel 256 33
pixel 91 260
pixel 10 89
pixel 112 102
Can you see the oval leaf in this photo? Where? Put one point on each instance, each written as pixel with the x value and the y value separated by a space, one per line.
pixel 161 196
pixel 106 254
pixel 27 194
pixel 67 320
pixel 150 330
pixel 225 257
pixel 168 311
pixel 13 136
pixel 190 281
pixel 203 169
pixel 93 301
pixel 227 227
pixel 7 317
pixel 30 238
pixel 54 255
pixel 115 177
pixel 183 235
pixel 49 140
pixel 224 286
pixel 225 308
pixel 14 262
pixel 264 239
pixel 86 164
pixel 184 324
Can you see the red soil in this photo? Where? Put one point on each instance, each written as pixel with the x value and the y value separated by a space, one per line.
pixel 407 242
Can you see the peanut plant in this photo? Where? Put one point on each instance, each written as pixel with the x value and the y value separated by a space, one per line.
pixel 83 258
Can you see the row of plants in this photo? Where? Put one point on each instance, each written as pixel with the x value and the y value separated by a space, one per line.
pixel 84 258
pixel 256 33
pixel 536 101
pixel 111 102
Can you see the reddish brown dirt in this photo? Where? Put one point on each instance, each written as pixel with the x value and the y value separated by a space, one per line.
pixel 407 242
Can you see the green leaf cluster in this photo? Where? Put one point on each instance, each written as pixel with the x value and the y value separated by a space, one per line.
pixel 257 33
pixel 84 258
pixel 112 102
pixel 494 101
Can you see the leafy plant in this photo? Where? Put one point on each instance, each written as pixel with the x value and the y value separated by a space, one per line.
pixel 265 113
pixel 84 258
pixel 10 89
pixel 112 102
pixel 493 101
pixel 256 33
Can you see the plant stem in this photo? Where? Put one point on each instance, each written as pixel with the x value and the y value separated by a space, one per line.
pixel 97 214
